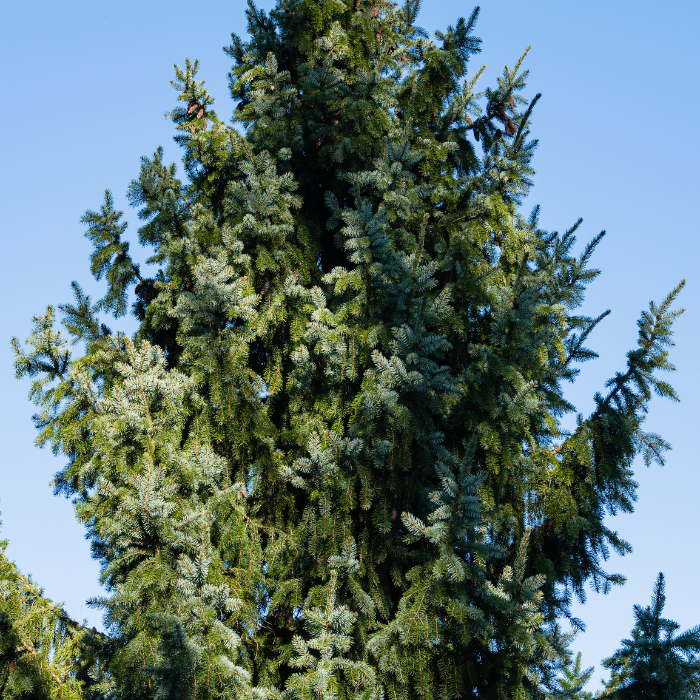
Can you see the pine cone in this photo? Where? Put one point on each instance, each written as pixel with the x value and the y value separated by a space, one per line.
pixel 375 11
pixel 512 102
pixel 264 288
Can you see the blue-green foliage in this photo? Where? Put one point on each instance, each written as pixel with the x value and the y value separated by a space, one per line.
pixel 655 662
pixel 329 463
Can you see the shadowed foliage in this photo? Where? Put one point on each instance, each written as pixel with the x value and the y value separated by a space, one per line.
pixel 330 461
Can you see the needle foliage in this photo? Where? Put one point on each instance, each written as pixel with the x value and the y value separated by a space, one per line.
pixel 655 662
pixel 330 462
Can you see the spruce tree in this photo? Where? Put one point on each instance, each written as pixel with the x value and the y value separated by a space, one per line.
pixel 572 681
pixel 43 652
pixel 655 663
pixel 330 461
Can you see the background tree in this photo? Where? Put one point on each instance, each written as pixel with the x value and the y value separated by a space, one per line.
pixel 330 462
pixel 43 652
pixel 572 681
pixel 655 662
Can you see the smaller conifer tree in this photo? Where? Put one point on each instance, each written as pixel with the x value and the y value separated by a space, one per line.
pixel 43 652
pixel 572 681
pixel 655 663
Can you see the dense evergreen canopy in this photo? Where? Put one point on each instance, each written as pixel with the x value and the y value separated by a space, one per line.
pixel 330 462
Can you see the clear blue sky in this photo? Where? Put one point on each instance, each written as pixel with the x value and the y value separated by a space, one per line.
pixel 85 89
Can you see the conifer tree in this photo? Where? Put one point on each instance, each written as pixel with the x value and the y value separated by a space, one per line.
pixel 656 663
pixel 43 652
pixel 330 462
pixel 572 681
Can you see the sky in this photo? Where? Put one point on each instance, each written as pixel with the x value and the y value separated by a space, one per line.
pixel 85 88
